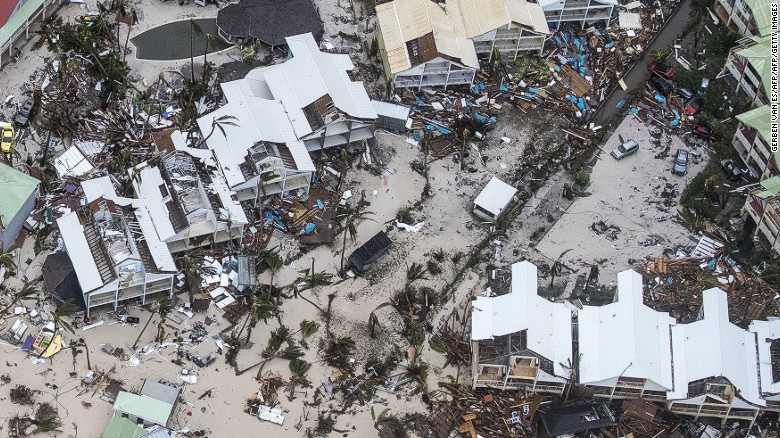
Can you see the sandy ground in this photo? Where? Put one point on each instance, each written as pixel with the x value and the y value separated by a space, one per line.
pixel 631 194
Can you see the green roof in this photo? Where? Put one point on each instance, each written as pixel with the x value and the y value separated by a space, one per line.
pixel 761 13
pixel 15 189
pixel 150 409
pixel 758 119
pixel 119 427
pixel 18 20
pixel 759 56
pixel 771 187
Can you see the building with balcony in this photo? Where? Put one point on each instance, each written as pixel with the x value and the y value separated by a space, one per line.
pixel 750 65
pixel 276 116
pixel 581 12
pixel 751 141
pixel 115 249
pixel 625 350
pixel 625 347
pixel 750 17
pixel 189 200
pixel 424 44
pixel 762 213
pixel 521 339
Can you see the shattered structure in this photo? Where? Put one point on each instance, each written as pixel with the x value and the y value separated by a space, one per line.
pixel 276 123
pixel 189 201
pixel 115 249
pixel 625 350
pixel 557 12
pixel 750 17
pixel 427 45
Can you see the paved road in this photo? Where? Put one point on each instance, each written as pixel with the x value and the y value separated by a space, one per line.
pixel 636 77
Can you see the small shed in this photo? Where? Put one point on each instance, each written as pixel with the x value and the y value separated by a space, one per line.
pixel 17 200
pixel 391 116
pixel 494 199
pixel 367 254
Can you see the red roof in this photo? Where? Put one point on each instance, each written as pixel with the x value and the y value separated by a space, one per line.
pixel 6 8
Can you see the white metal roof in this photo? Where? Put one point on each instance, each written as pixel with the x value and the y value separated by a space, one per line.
pixel 148 189
pixel 159 249
pixel 76 244
pixel 495 196
pixel 712 347
pixel 473 18
pixel 625 338
pixel 391 110
pixel 268 105
pixel 98 187
pixel 73 163
pixel 548 323
pixel 766 332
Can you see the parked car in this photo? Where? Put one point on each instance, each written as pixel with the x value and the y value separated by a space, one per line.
pixel 625 149
pixel 87 18
pixel 694 105
pixel 661 69
pixel 25 111
pixel 704 132
pixel 733 171
pixel 685 93
pixel 661 85
pixel 6 138
pixel 680 162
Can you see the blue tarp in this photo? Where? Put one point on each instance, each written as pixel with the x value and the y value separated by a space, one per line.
pixel 621 103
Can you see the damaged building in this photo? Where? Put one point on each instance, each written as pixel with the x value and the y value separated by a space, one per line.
pixel 189 200
pixel 280 114
pixel 424 44
pixel 115 250
pixel 625 350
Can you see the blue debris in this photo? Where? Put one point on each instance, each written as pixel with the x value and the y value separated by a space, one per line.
pixel 444 131
pixel 609 45
pixel 429 127
pixel 503 88
pixel 557 68
pixel 581 104
pixel 419 101
pixel 309 228
pixel 480 118
pixel 634 111
pixel 534 90
pixel 660 98
pixel 572 98
pixel 492 120
pixel 320 205
pixel 621 103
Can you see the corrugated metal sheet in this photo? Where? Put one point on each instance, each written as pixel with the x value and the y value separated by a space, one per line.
pixel 528 14
pixel 391 110
pixel 73 163
pixel 76 244
pixel 495 196
pixel 97 187
pixel 148 189
pixel 474 18
pixel 159 249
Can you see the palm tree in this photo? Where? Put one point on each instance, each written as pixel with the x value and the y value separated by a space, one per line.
pixel 275 263
pixel 262 308
pixel 164 308
pixel 133 21
pixel 557 267
pixel 66 310
pixel 194 268
pixel 219 123
pixel 25 293
pixel 414 273
pixel 299 368
pixel 194 29
pixel 373 323
pixel 7 259
pixel 593 276
pixel 350 229
pixel 338 352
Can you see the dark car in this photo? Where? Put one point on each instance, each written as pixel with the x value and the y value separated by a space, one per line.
pixel 661 69
pixel 733 171
pixel 25 111
pixel 694 105
pixel 704 132
pixel 680 162
pixel 685 93
pixel 661 85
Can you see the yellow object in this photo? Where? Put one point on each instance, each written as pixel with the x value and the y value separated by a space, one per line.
pixel 6 138
pixel 623 85
pixel 54 347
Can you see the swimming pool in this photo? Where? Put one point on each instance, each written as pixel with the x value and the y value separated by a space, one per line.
pixel 171 41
